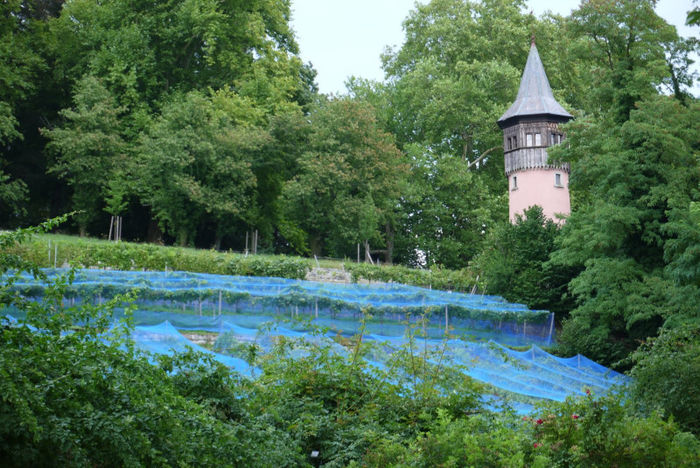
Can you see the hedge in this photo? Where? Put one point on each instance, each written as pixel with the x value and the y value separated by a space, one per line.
pixel 48 251
pixel 451 280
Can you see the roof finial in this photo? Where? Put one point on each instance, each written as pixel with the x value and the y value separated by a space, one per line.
pixel 532 39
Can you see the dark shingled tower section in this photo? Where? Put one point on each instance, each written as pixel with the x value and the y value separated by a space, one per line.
pixel 535 96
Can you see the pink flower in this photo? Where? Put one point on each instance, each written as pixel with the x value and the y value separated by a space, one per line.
pixel 537 444
pixel 574 416
pixel 588 391
pixel 539 421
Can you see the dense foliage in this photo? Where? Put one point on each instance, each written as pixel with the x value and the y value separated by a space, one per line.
pixel 90 253
pixel 438 278
pixel 636 240
pixel 71 398
pixel 514 263
pixel 197 122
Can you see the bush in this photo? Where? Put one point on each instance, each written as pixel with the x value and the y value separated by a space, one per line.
pixel 667 373
pixel 452 280
pixel 71 399
pixel 514 264
pixel 278 266
pixel 132 256
pixel 604 431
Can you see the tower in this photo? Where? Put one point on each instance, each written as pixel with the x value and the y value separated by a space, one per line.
pixel 530 125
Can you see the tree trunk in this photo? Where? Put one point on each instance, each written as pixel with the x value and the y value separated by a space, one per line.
pixel 154 235
pixel 217 242
pixel 316 245
pixel 388 259
pixel 182 237
pixel 83 230
pixel 368 257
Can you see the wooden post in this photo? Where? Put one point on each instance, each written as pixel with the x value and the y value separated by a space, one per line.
pixel 55 255
pixel 358 252
pixel 551 329
pixel 49 252
pixel 111 225
pixel 246 242
pixel 316 306
pixel 219 302
pixel 446 320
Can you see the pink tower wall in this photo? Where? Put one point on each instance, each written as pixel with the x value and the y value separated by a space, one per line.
pixel 536 187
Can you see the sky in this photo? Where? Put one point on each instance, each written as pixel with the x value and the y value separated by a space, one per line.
pixel 343 38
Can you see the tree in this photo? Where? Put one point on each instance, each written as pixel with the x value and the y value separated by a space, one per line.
pixel 348 179
pixel 446 210
pixel 454 76
pixel 195 161
pixel 148 56
pixel 632 52
pixel 635 237
pixel 19 65
pixel 90 150
pixel 514 263
pixel 666 372
pixel 146 51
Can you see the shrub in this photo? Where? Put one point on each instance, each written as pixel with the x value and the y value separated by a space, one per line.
pixel 603 431
pixel 133 256
pixel 667 373
pixel 453 280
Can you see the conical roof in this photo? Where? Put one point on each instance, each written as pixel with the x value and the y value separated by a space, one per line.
pixel 535 95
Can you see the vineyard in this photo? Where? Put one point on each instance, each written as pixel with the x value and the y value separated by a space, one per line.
pixel 463 331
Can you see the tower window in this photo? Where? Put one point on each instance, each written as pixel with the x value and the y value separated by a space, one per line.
pixel 538 139
pixel 515 142
pixel 528 139
pixel 510 143
pixel 557 180
pixel 552 139
pixel 515 183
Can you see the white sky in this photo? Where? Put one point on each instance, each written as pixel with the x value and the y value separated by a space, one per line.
pixel 346 37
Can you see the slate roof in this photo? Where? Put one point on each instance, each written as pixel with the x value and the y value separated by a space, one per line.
pixel 535 95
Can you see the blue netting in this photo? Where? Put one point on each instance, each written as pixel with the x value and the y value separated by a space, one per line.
pixel 386 307
pixel 261 311
pixel 166 339
pixel 533 373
